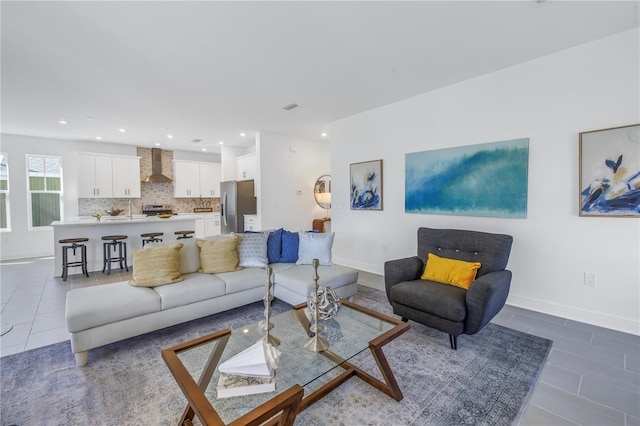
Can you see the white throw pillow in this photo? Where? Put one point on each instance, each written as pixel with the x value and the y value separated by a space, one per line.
pixel 314 245
pixel 252 250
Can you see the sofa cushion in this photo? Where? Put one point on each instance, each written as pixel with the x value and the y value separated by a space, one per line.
pixel 300 278
pixel 252 250
pixel 245 279
pixel 274 246
pixel 218 255
pixel 86 306
pixel 314 246
pixel 450 271
pixel 195 288
pixel 189 253
pixel 443 300
pixel 156 266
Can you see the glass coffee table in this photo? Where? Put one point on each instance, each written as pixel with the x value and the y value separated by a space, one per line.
pixel 303 376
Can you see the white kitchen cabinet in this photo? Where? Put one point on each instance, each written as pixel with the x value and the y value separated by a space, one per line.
pixel 211 225
pixel 207 224
pixel 252 222
pixel 195 179
pixel 246 167
pixel 210 175
pixel 95 176
pixel 186 179
pixel 126 177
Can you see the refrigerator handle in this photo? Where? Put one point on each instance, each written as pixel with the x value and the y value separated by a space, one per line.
pixel 224 202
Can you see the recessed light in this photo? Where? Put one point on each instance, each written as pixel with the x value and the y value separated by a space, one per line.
pixel 122 130
pixel 243 134
pixel 204 149
pixel 98 137
pixel 221 143
pixel 324 135
pixel 170 136
pixel 157 144
pixel 63 122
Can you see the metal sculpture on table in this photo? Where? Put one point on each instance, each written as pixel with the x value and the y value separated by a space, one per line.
pixel 266 324
pixel 316 343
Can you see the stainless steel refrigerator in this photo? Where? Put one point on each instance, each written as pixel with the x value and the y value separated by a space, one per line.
pixel 236 200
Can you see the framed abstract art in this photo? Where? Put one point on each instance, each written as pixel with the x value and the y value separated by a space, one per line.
pixel 610 172
pixel 366 185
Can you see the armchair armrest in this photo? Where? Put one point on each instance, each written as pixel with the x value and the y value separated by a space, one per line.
pixel 485 298
pixel 399 270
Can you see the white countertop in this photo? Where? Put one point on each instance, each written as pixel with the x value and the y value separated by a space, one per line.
pixel 121 220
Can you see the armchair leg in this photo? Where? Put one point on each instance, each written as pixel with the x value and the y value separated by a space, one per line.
pixel 405 319
pixel 454 342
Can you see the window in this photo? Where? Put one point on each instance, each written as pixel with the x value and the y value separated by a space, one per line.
pixel 45 189
pixel 4 192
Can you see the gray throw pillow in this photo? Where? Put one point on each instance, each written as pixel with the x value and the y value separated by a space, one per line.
pixel 252 250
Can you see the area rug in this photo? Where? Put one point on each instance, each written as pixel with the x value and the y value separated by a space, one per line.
pixel 486 381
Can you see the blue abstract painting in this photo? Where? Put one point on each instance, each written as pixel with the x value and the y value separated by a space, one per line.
pixel 610 172
pixel 366 185
pixel 488 180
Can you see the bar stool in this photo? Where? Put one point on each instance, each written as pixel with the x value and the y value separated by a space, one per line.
pixel 114 241
pixel 184 234
pixel 151 237
pixel 75 244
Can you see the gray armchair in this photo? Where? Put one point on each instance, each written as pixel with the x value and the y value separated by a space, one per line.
pixel 447 308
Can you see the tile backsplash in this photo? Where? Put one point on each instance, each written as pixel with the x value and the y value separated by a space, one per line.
pixel 151 193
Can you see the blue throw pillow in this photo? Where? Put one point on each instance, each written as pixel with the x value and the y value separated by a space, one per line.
pixel 274 246
pixel 290 243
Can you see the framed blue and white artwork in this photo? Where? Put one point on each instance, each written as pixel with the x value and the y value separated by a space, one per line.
pixel 487 180
pixel 610 172
pixel 366 185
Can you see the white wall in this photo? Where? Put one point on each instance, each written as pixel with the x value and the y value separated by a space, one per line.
pixel 549 100
pixel 288 170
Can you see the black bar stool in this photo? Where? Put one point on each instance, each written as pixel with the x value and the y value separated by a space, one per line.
pixel 115 242
pixel 75 244
pixel 151 237
pixel 184 234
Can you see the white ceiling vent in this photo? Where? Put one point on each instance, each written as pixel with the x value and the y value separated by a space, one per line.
pixel 289 107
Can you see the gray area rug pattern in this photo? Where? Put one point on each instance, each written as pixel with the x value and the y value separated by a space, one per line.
pixel 486 381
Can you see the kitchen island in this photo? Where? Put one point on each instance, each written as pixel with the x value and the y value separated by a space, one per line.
pixel 114 225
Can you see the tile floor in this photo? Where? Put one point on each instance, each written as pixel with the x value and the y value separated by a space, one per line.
pixel 592 375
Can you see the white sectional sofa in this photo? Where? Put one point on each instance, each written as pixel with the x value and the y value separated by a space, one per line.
pixel 104 314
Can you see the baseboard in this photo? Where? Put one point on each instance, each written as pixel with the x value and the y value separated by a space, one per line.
pixel 599 319
pixel 367 267
pixel 26 255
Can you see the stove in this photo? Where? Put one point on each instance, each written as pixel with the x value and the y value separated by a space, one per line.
pixel 156 209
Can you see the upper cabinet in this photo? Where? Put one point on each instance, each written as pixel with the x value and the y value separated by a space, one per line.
pixel 246 167
pixel 126 177
pixel 103 176
pixel 210 174
pixel 196 179
pixel 96 176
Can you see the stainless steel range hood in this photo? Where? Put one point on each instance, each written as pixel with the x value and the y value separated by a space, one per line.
pixel 156 168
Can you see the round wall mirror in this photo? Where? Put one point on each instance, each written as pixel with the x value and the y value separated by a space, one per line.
pixel 322 191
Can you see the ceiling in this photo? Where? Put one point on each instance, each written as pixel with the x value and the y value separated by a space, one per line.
pixel 211 70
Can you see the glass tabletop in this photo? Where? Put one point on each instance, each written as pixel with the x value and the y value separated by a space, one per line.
pixel 348 334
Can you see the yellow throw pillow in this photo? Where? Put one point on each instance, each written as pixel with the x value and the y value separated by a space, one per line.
pixel 219 255
pixel 156 266
pixel 450 271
